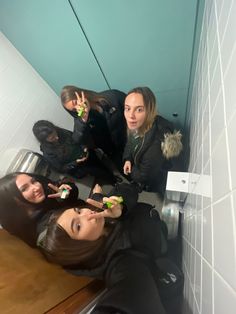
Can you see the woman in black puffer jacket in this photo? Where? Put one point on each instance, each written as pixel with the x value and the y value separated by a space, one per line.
pixel 151 144
pixel 119 244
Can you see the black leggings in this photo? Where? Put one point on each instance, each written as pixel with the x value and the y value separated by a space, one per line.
pixel 131 289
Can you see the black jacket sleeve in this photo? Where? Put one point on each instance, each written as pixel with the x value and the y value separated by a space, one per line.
pixel 151 161
pixel 58 165
pixel 81 131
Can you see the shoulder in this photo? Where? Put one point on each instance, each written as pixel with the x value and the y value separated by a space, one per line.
pixel 64 132
pixel 114 94
pixel 163 123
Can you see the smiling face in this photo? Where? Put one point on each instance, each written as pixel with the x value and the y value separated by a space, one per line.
pixel 30 189
pixel 135 112
pixel 78 226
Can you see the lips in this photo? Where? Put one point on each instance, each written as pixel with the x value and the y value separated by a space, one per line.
pixel 38 195
pixel 132 124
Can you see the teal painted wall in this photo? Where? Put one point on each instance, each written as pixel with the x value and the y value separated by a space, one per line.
pixel 135 42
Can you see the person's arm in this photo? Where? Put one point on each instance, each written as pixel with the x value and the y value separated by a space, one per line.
pixel 57 188
pixel 81 131
pixel 128 192
pixel 56 163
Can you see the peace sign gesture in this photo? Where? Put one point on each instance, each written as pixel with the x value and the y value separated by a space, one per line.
pixel 82 106
pixel 114 210
pixel 58 190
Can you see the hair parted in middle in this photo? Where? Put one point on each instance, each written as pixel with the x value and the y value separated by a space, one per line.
pixel 15 209
pixel 42 129
pixel 150 105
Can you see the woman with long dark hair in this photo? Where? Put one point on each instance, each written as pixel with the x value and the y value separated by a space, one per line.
pixel 118 244
pixel 28 200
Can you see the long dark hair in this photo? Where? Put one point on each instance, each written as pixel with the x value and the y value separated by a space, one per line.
pixel 42 129
pixel 15 209
pixel 59 248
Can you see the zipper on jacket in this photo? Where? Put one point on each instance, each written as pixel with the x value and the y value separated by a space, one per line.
pixel 135 156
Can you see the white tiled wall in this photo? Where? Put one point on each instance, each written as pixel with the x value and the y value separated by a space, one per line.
pixel 24 98
pixel 209 225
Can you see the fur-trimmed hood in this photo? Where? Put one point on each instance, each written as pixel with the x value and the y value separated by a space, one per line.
pixel 171 144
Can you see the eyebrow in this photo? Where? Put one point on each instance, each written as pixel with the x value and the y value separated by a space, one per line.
pixel 72 225
pixel 135 106
pixel 22 186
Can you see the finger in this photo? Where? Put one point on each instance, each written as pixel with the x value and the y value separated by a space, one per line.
pixel 53 187
pixel 112 199
pixel 77 96
pixel 56 195
pixel 83 98
pixel 97 215
pixel 81 160
pixel 65 186
pixel 94 203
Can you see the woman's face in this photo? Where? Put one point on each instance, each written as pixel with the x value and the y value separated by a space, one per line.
pixel 71 105
pixel 30 189
pixel 53 137
pixel 78 226
pixel 135 111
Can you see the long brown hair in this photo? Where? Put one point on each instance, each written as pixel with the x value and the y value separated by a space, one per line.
pixel 68 94
pixel 59 248
pixel 150 105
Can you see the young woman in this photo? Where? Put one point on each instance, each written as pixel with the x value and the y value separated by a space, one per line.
pixel 151 143
pixel 119 244
pixel 27 201
pixel 98 119
pixel 66 156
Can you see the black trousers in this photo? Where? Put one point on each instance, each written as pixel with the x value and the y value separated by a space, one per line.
pixel 131 288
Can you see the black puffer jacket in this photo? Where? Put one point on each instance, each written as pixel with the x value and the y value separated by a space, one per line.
pixel 135 230
pixel 106 130
pixel 149 166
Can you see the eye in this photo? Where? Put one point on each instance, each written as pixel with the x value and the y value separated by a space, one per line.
pixel 77 210
pixel 126 109
pixel 33 180
pixel 140 110
pixel 23 189
pixel 78 227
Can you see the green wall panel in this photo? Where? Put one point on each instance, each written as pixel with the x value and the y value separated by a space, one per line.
pixel 47 34
pixel 131 42
pixel 143 43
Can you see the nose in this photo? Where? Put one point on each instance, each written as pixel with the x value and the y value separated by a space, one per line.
pixel 85 212
pixel 132 114
pixel 35 188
